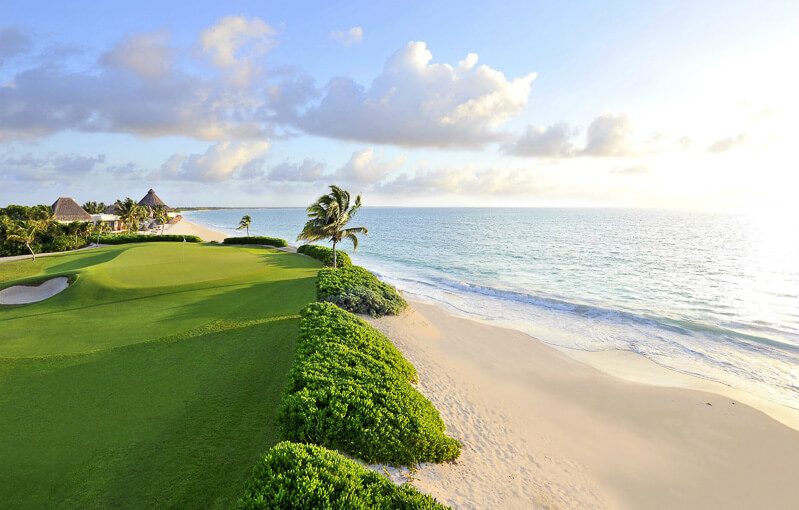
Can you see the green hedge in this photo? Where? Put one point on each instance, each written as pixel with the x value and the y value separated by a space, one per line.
pixel 268 241
pixel 140 238
pixel 325 255
pixel 350 389
pixel 302 476
pixel 357 290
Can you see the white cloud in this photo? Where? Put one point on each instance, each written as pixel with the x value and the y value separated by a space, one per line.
pixel 463 181
pixel 415 102
pixel 553 141
pixel 49 168
pixel 309 170
pixel 222 161
pixel 368 166
pixel 728 143
pixel 608 135
pixel 148 55
pixel 234 44
pixel 347 37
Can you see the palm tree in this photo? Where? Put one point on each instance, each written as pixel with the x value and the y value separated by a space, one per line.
pixel 245 224
pixel 161 216
pixel 101 227
pixel 130 213
pixel 94 207
pixel 328 217
pixel 24 232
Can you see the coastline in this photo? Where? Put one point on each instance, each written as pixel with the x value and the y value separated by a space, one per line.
pixel 189 228
pixel 539 426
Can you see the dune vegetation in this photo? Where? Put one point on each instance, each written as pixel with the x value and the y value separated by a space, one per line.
pixel 153 380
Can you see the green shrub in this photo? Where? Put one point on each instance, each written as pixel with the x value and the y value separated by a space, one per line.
pixel 142 238
pixel 349 389
pixel 268 241
pixel 357 290
pixel 325 255
pixel 302 476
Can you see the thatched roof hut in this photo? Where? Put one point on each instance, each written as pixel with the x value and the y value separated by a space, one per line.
pixel 65 209
pixel 152 200
pixel 113 209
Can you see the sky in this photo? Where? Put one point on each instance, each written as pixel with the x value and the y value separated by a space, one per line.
pixel 677 104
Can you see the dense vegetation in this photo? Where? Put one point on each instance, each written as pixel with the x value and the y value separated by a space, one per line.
pixel 325 255
pixel 145 238
pixel 357 290
pixel 349 389
pixel 261 240
pixel 152 382
pixel 302 476
pixel 24 229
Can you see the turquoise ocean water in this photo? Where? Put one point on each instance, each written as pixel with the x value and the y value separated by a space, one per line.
pixel 713 295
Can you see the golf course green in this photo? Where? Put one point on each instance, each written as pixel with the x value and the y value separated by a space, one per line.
pixel 154 379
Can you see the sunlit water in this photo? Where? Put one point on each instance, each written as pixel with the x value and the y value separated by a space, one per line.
pixel 714 295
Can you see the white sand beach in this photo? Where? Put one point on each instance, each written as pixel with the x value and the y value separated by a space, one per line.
pixel 186 227
pixel 541 429
pixel 24 294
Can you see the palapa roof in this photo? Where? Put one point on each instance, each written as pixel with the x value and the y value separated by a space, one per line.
pixel 112 209
pixel 152 200
pixel 66 209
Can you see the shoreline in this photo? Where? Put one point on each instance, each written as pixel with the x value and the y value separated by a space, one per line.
pixel 540 426
pixel 190 228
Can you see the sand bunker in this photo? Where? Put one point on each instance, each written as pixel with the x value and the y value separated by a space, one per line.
pixel 22 294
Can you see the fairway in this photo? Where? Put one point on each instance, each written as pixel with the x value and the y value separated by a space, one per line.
pixel 153 380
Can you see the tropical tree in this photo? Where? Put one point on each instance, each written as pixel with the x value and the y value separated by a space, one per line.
pixel 245 224
pixel 161 216
pixel 24 232
pixel 94 207
pixel 130 213
pixel 99 228
pixel 328 217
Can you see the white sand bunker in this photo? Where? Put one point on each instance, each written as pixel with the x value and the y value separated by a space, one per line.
pixel 22 294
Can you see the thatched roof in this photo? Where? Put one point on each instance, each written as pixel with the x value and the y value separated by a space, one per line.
pixel 66 209
pixel 152 200
pixel 112 209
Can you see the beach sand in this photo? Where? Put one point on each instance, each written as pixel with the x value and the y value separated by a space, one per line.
pixel 541 429
pixel 186 227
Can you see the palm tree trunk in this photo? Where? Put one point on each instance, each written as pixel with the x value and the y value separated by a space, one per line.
pixel 248 231
pixel 31 250
pixel 334 254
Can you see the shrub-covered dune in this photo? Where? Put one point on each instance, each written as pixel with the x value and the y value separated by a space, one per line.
pixel 325 255
pixel 349 389
pixel 357 290
pixel 302 476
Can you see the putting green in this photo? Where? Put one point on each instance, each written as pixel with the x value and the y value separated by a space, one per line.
pixel 153 380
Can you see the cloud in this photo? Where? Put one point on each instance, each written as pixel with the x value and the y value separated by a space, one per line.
pixel 367 166
pixel 147 55
pixel 135 88
pixel 222 161
pixel 553 141
pixel 309 170
pixel 415 102
pixel 13 42
pixel 631 170
pixel 466 180
pixel 608 135
pixel 347 37
pixel 725 144
pixel 234 43
pixel 50 168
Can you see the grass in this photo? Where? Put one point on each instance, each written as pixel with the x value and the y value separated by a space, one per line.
pixel 153 380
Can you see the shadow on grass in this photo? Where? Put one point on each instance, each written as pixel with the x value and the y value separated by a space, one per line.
pixel 83 261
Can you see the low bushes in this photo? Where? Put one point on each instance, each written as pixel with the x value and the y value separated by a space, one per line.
pixel 350 389
pixel 357 290
pixel 141 238
pixel 268 241
pixel 300 476
pixel 325 255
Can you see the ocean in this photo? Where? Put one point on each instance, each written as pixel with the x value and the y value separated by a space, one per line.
pixel 712 295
